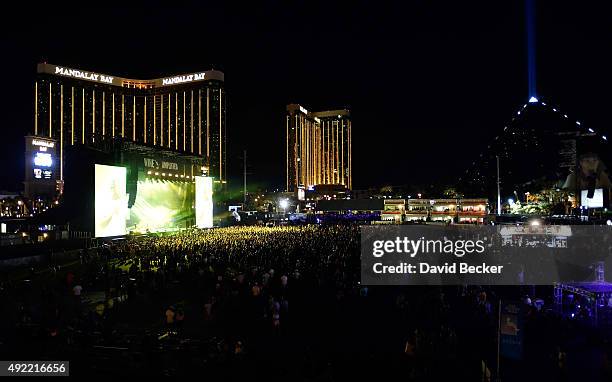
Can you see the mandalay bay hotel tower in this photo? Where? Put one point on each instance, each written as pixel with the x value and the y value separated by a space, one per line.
pixel 184 113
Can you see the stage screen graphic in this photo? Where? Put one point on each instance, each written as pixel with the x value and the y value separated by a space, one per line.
pixel 204 202
pixel 161 205
pixel 110 200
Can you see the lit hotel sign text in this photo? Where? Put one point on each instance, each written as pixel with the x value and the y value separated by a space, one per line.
pixel 83 75
pixel 152 163
pixel 182 79
pixel 41 143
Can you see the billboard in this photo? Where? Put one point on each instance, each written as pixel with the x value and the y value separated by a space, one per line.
pixel 511 330
pixel 111 200
pixel 597 201
pixel 42 167
pixel 204 201
pixel 161 205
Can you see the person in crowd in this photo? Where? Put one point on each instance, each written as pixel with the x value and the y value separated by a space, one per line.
pixel 179 317
pixel 170 316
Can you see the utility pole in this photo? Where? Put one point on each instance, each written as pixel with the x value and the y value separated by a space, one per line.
pixel 498 189
pixel 245 174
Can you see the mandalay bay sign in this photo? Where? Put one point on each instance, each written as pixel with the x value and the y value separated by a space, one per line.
pixel 132 83
pixel 183 79
pixel 83 75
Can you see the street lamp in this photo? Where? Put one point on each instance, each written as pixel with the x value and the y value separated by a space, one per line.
pixel 21 208
pixel 284 204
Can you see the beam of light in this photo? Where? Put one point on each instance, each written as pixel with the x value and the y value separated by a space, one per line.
pixel 531 51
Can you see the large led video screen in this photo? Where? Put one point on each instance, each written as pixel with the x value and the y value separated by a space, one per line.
pixel 162 205
pixel 204 202
pixel 110 200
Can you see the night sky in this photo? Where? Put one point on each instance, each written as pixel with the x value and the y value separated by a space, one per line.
pixel 428 83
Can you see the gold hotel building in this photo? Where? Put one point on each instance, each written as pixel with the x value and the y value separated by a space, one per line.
pixel 183 113
pixel 318 148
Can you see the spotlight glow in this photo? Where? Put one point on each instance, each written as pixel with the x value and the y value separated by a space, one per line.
pixel 284 204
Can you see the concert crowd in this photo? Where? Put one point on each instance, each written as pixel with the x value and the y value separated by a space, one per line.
pixel 272 302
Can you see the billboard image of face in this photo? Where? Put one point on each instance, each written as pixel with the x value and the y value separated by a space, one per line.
pixel 204 202
pixel 110 200
pixel 161 205
pixel 592 172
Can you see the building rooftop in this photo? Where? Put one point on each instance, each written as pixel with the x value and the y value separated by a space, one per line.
pixel 130 82
pixel 294 107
